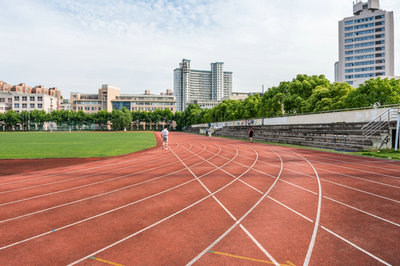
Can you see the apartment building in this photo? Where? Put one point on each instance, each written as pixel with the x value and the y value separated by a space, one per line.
pixel 201 85
pixel 27 102
pixel 25 98
pixel 366 44
pixel 145 102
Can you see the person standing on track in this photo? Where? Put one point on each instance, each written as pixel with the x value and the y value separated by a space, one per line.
pixel 164 136
pixel 251 134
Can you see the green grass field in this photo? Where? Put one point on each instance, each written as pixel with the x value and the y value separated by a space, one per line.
pixel 72 144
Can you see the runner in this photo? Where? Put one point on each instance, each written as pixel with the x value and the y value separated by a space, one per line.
pixel 251 133
pixel 164 136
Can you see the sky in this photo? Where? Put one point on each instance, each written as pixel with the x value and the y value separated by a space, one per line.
pixel 135 45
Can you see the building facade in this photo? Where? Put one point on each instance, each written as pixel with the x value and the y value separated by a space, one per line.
pixel 145 102
pixel 201 85
pixel 25 98
pixel 65 105
pixel 92 103
pixel 27 102
pixel 366 44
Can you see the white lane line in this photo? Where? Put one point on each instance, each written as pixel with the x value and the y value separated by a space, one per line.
pixel 103 194
pixel 347 175
pixel 370 214
pixel 344 204
pixel 305 217
pixel 336 235
pixel 76 178
pixel 354 245
pixel 160 221
pixel 328 198
pixel 205 187
pixel 232 174
pixel 366 164
pixel 359 190
pixel 354 208
pixel 71 172
pixel 317 218
pixel 228 212
pixel 116 209
pixel 332 182
pixel 239 221
pixel 79 187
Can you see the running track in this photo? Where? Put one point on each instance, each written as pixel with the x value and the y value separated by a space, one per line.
pixel 205 201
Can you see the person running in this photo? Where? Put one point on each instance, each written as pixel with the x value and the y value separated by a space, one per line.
pixel 251 134
pixel 164 136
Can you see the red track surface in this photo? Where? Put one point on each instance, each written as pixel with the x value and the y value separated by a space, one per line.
pixel 204 201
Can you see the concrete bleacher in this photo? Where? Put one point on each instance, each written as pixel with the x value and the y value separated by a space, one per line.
pixel 341 136
pixel 341 130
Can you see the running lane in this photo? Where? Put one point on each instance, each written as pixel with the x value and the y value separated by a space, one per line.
pixel 205 201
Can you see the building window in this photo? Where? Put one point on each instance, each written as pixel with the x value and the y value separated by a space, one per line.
pixel 364 26
pixel 32 105
pixel 364 56
pixel 349 65
pixel 348 40
pixel 2 100
pixel 364 32
pixel 32 98
pixel 348 28
pixel 349 58
pixel 10 100
pixel 349 22
pixel 24 105
pixel 348 34
pixel 350 82
pixel 16 98
pixel 24 98
pixel 364 38
pixel 364 44
pixel 364 51
pixel 349 70
pixel 16 105
pixel 349 77
pixel 40 106
pixel 349 46
pixel 40 98
pixel 348 52
pixel 364 63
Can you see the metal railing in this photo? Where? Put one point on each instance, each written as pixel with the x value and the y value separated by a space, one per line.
pixel 380 123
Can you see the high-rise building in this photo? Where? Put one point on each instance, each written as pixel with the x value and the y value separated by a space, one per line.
pixel 201 86
pixel 366 44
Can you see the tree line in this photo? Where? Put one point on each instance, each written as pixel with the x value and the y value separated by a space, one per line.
pixel 117 119
pixel 304 94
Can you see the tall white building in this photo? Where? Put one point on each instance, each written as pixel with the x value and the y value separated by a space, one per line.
pixel 201 86
pixel 366 44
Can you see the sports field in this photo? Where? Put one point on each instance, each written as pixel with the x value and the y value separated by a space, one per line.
pixel 29 145
pixel 204 201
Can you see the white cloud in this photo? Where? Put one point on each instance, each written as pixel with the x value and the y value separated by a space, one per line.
pixel 79 45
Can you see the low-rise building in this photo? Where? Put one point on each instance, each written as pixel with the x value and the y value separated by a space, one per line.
pixel 65 105
pixel 92 103
pixel 145 102
pixel 27 102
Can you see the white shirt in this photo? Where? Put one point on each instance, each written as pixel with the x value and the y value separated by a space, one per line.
pixel 164 133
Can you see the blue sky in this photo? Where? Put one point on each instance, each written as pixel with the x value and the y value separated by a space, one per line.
pixel 135 45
